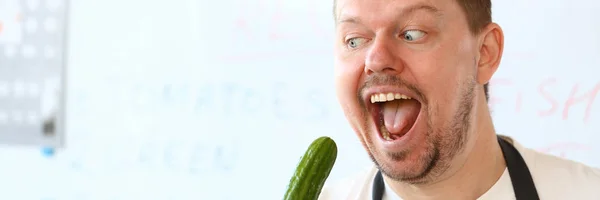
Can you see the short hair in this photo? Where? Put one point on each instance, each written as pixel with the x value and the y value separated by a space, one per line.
pixel 478 15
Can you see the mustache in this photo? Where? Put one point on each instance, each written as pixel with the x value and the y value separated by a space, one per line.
pixel 390 80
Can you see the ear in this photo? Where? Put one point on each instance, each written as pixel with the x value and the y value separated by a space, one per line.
pixel 490 52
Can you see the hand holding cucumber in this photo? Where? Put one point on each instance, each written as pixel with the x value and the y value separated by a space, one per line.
pixel 313 170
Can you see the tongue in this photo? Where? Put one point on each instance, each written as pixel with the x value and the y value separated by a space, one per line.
pixel 400 114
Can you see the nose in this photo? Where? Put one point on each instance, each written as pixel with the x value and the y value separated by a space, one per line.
pixel 382 58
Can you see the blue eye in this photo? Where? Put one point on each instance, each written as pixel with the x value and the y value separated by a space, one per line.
pixel 355 42
pixel 412 35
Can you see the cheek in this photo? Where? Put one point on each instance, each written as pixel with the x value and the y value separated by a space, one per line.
pixel 436 77
pixel 347 82
pixel 348 76
pixel 457 70
pixel 441 80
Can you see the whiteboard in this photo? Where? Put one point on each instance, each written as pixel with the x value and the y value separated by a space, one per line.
pixel 198 99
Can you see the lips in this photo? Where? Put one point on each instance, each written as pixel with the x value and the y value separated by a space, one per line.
pixel 394 111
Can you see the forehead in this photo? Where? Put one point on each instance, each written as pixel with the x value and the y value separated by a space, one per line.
pixel 353 9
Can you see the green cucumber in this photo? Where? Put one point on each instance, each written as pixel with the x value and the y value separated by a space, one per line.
pixel 313 170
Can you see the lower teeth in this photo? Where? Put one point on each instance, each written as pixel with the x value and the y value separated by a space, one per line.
pixel 385 133
pixel 386 136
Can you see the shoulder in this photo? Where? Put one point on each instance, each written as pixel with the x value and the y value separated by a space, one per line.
pixel 354 187
pixel 560 178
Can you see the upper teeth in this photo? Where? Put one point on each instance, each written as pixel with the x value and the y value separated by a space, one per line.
pixel 383 97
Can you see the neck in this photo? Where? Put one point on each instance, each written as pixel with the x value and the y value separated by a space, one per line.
pixel 480 167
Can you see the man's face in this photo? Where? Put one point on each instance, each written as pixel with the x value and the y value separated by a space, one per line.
pixel 405 77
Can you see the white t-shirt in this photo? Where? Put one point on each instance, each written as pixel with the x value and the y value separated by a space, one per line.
pixel 555 178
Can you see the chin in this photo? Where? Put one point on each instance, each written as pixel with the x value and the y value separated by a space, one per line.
pixel 410 158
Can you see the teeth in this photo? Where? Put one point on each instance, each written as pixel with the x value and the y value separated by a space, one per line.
pixel 383 97
pixel 390 96
pixel 386 136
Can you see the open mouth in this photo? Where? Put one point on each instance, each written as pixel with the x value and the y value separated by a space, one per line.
pixel 394 114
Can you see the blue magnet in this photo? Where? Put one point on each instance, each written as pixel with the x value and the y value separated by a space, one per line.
pixel 47 151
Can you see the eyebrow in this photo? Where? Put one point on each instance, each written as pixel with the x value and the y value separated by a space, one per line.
pixel 403 13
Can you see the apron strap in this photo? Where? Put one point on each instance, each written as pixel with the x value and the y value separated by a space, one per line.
pixel 378 187
pixel 520 176
pixel 522 182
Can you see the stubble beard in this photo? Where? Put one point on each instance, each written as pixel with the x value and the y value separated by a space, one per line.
pixel 442 145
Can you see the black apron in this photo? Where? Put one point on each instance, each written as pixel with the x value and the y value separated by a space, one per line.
pixel 520 176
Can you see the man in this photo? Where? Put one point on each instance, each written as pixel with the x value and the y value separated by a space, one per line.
pixel 411 76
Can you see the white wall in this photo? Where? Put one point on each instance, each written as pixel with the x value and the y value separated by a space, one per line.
pixel 194 99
